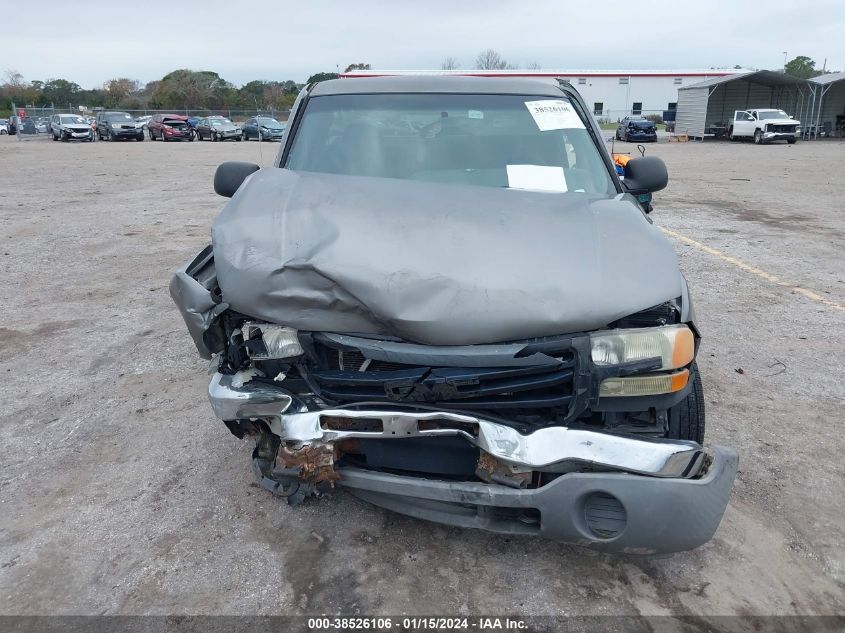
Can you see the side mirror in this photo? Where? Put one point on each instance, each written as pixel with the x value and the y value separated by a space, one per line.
pixel 231 175
pixel 647 173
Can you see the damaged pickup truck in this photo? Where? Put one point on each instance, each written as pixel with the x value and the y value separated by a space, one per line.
pixel 444 299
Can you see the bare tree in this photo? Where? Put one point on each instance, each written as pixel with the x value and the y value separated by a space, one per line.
pixel 490 60
pixel 121 87
pixel 14 79
pixel 450 63
pixel 534 66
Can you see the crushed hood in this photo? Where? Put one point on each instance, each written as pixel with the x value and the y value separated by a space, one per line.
pixel 437 264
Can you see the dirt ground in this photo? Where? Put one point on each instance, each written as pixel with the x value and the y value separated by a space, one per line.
pixel 120 493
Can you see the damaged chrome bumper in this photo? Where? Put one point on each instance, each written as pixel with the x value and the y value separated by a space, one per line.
pixel 638 495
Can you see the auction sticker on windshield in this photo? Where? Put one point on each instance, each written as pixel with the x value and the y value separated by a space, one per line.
pixel 554 114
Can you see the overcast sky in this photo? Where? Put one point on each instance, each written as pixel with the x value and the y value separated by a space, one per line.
pixel 296 39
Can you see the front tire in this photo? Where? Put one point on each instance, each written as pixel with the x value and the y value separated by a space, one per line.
pixel 791 141
pixel 758 137
pixel 686 419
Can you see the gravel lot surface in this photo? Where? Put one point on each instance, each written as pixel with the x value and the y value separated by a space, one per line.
pixel 120 493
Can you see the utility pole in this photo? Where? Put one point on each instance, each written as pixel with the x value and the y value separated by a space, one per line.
pixel 784 61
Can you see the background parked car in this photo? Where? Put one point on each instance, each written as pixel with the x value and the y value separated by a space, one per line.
pixel 4 126
pixel 112 126
pixel 42 125
pixel 70 127
pixel 217 128
pixel 142 121
pixel 169 127
pixel 28 126
pixel 636 128
pixel 264 128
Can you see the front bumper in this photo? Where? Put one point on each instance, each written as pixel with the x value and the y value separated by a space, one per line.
pixel 648 138
pixel 639 495
pixel 613 512
pixel 229 134
pixel 77 135
pixel 126 133
pixel 775 136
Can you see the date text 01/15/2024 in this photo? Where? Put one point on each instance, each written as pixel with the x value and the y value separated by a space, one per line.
pixel 415 624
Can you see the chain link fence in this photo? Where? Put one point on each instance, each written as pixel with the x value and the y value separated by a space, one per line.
pixel 30 123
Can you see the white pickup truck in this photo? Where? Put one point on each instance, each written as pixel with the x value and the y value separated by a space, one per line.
pixel 764 126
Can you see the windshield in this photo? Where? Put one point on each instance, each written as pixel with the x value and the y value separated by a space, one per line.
pixel 772 114
pixel 268 122
pixel 220 122
pixel 119 117
pixel 71 119
pixel 174 123
pixel 490 140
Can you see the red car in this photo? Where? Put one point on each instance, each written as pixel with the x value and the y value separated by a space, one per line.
pixel 170 127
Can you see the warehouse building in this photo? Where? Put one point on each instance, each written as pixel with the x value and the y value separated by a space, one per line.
pixel 611 94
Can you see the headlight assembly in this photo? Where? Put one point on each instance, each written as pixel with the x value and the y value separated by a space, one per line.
pixel 673 345
pixel 279 341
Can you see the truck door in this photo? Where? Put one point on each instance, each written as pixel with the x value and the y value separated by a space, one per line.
pixel 744 123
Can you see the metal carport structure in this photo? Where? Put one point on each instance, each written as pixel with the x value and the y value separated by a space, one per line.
pixel 711 104
pixel 825 107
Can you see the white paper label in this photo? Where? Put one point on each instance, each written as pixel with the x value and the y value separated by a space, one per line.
pixel 475 114
pixel 536 178
pixel 554 114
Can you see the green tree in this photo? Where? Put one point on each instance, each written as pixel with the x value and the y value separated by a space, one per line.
pixel 184 88
pixel 802 67
pixel 358 66
pixel 59 92
pixel 321 77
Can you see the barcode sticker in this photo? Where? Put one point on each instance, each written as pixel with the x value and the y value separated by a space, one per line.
pixel 554 114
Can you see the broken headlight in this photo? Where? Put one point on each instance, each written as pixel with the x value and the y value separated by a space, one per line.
pixel 672 344
pixel 267 341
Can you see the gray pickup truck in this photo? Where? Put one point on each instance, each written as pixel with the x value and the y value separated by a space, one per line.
pixel 443 299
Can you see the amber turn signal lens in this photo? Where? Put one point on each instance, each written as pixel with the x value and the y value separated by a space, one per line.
pixel 684 349
pixel 646 385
